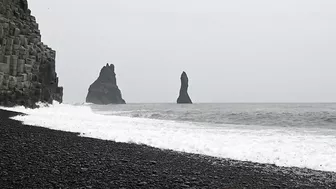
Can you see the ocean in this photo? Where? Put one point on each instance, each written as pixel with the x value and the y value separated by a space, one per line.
pixel 291 135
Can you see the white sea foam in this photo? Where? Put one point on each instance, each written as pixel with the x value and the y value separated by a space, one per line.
pixel 310 148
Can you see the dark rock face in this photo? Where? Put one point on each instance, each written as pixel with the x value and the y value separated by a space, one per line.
pixel 27 66
pixel 184 96
pixel 105 90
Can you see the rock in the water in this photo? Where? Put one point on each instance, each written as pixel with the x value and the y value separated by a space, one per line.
pixel 105 90
pixel 27 66
pixel 184 96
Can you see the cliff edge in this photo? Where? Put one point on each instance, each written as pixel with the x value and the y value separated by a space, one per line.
pixel 27 66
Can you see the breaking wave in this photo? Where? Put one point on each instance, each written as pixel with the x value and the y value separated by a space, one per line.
pixel 313 148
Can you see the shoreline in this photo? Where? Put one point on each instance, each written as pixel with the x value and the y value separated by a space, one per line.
pixel 37 157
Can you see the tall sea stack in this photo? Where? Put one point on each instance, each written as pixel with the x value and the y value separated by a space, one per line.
pixel 27 66
pixel 184 96
pixel 105 90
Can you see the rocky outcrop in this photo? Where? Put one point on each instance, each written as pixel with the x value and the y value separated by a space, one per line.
pixel 27 66
pixel 184 96
pixel 105 90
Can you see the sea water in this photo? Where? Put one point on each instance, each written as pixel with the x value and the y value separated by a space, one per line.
pixel 299 135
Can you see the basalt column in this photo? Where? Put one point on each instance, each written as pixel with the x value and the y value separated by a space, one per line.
pixel 27 66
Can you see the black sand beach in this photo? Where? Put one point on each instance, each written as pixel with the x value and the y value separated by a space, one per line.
pixel 35 157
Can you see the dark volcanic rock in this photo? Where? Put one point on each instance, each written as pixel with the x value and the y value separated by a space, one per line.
pixel 36 157
pixel 105 90
pixel 27 66
pixel 184 96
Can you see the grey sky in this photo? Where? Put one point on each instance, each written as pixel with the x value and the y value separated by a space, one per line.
pixel 232 51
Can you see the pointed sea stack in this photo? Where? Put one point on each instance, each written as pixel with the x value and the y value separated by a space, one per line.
pixel 105 90
pixel 184 96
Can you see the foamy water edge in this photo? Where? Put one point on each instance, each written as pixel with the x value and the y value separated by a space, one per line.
pixel 305 148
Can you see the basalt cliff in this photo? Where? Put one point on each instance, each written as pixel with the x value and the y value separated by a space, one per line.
pixel 184 96
pixel 27 66
pixel 105 90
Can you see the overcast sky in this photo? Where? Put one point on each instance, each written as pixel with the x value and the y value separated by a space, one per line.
pixel 232 51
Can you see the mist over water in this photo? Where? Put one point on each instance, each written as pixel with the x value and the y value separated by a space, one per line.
pixel 300 135
pixel 233 51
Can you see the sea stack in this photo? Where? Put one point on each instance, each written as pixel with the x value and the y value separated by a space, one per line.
pixel 184 96
pixel 27 66
pixel 105 90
